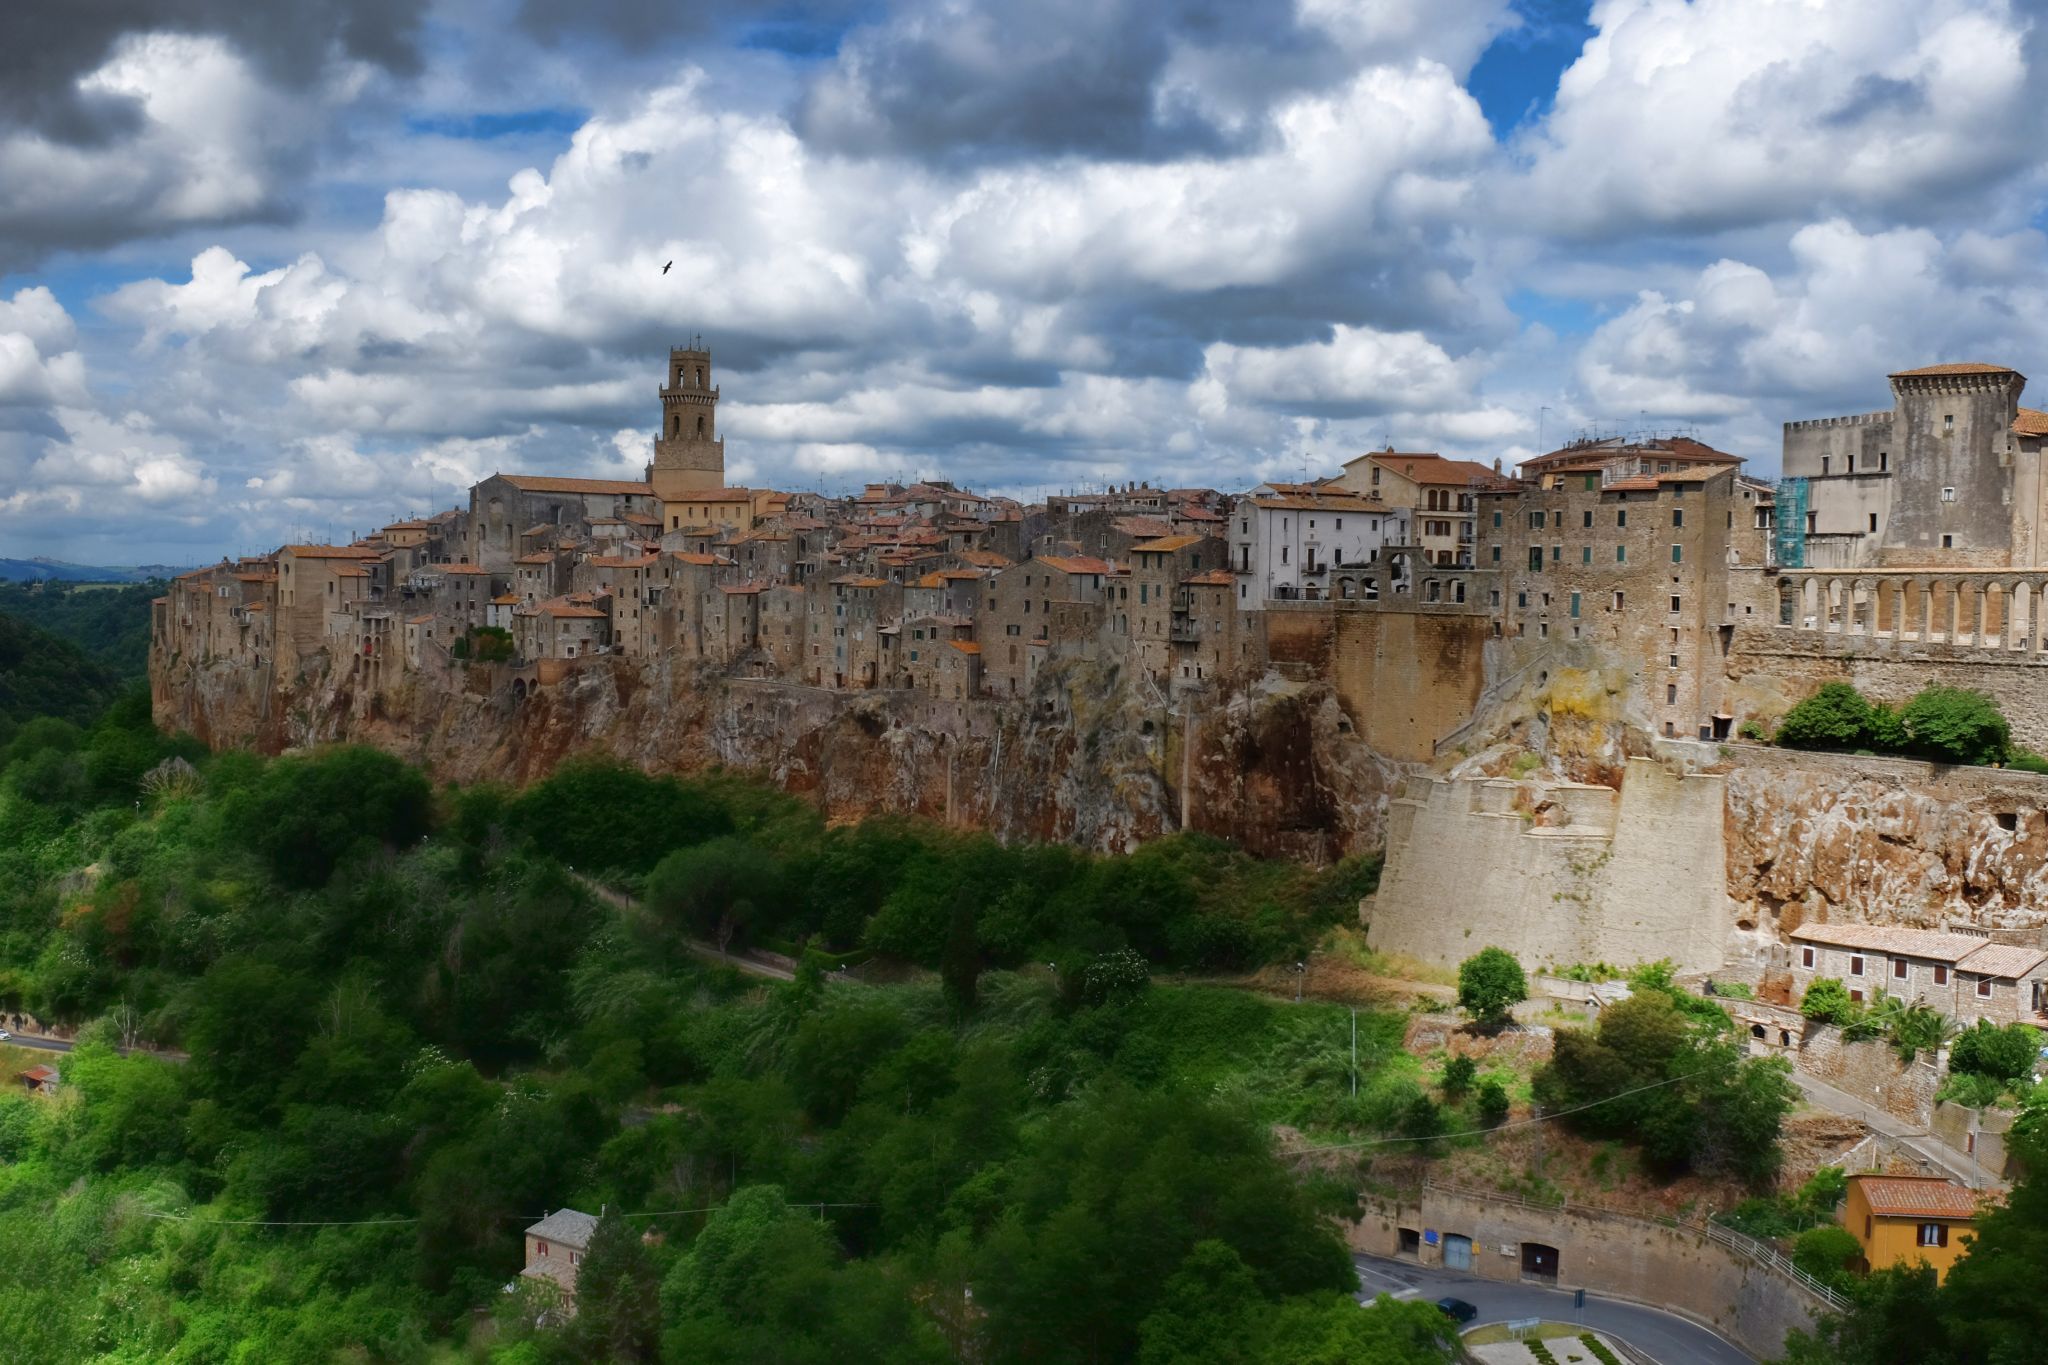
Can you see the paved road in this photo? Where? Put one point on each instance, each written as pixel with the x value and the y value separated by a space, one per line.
pixel 30 1040
pixel 1666 1337
pixel 1940 1158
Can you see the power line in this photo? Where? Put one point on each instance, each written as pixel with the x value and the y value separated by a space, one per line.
pixel 1500 1128
pixel 286 1222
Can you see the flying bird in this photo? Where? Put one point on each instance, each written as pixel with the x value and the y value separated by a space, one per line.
pixel 664 269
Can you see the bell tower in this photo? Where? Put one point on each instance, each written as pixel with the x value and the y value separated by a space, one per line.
pixel 689 454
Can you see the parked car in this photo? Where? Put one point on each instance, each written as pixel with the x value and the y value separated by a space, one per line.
pixel 1457 1310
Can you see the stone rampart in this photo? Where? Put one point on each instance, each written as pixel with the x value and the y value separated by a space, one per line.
pixel 1557 873
pixel 1870 1070
pixel 1714 1277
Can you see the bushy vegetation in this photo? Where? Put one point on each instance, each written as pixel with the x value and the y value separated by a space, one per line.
pixel 108 623
pixel 1666 1069
pixel 410 1014
pixel 1943 724
pixel 1490 985
pixel 44 676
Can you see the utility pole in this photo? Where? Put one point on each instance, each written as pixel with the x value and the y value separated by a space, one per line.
pixel 1354 1052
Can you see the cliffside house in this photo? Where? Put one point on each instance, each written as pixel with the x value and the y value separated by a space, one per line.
pixel 1965 976
pixel 1903 1219
pixel 555 1247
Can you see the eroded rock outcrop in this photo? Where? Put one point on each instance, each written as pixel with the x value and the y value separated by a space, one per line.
pixel 1095 755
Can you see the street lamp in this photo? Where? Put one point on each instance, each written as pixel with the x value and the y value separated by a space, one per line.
pixel 1300 972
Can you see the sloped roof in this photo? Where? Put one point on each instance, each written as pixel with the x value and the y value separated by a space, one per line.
pixel 1889 938
pixel 1913 1196
pixel 566 1226
pixel 331 551
pixel 1213 578
pixel 2030 423
pixel 1076 564
pixel 547 483
pixel 1167 545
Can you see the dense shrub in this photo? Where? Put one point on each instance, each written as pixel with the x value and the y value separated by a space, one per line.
pixel 1490 985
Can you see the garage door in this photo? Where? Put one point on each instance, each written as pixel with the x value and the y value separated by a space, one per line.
pixel 1457 1252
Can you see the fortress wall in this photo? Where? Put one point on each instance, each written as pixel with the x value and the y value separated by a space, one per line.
pixel 1774 669
pixel 1557 874
pixel 1408 678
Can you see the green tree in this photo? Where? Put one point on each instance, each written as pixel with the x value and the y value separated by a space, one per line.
pixel 1493 1102
pixel 715 890
pixel 1459 1074
pixel 2004 1054
pixel 1827 1001
pixel 1490 985
pixel 618 1297
pixel 1827 1252
pixel 1957 725
pixel 303 814
pixel 960 965
pixel 1835 717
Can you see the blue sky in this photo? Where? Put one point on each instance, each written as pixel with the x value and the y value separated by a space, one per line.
pixel 260 277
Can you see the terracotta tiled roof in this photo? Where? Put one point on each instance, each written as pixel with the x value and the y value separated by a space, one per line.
pixel 1887 938
pixel 2030 423
pixel 965 646
pixel 546 483
pixel 1076 564
pixel 331 551
pixel 541 558
pixel 1909 1196
pixel 1323 501
pixel 1639 483
pixel 1963 367
pixel 985 559
pixel 563 607
pixel 1166 545
pixel 463 570
pixel 2008 961
pixel 1213 578
pixel 407 526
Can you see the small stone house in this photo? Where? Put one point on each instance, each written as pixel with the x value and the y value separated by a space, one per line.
pixel 1965 976
pixel 555 1247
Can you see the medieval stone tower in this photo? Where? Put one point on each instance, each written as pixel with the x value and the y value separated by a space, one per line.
pixel 689 454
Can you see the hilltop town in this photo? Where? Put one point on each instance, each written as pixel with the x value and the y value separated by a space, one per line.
pixel 1416 584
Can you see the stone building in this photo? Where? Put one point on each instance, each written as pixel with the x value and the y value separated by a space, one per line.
pixel 1965 976
pixel 1441 496
pixel 1949 476
pixel 1655 570
pixel 689 454
pixel 1155 605
pixel 555 1247
pixel 509 514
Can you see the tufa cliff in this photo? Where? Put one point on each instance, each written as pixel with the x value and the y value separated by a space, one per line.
pixel 1094 755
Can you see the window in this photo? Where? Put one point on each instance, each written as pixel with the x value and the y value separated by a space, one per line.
pixel 1856 965
pixel 1934 1234
pixel 1948 495
pixel 1522 599
pixel 1496 554
pixel 1806 957
pixel 1496 519
pixel 1941 976
pixel 1675 601
pixel 1585 554
pixel 1948 542
pixel 1670 694
pixel 1678 516
pixel 1535 558
pixel 1674 661
pixel 1899 968
pixel 1621 517
pixel 1884 460
pixel 1575 604
pixel 1592 483
pixel 1283 554
pixel 1617 602
pixel 1556 553
pixel 1621 554
pixel 1984 987
pixel 1535 521
pixel 1873 523
pixel 1678 554
pixel 1588 515
pixel 1948 421
pixel 1852 464
pixel 1823 464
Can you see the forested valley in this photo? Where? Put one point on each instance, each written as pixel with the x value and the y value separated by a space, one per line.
pixel 342 1036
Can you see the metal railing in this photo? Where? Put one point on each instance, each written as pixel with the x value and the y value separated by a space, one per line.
pixel 1759 1252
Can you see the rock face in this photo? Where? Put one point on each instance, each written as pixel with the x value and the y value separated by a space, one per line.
pixel 1821 837
pixel 1095 755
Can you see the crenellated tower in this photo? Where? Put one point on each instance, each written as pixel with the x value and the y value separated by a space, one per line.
pixel 689 454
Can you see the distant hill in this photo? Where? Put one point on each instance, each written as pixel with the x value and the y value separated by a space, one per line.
pixel 35 570
pixel 108 624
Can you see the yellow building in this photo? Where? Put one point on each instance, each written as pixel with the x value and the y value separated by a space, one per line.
pixel 1902 1219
